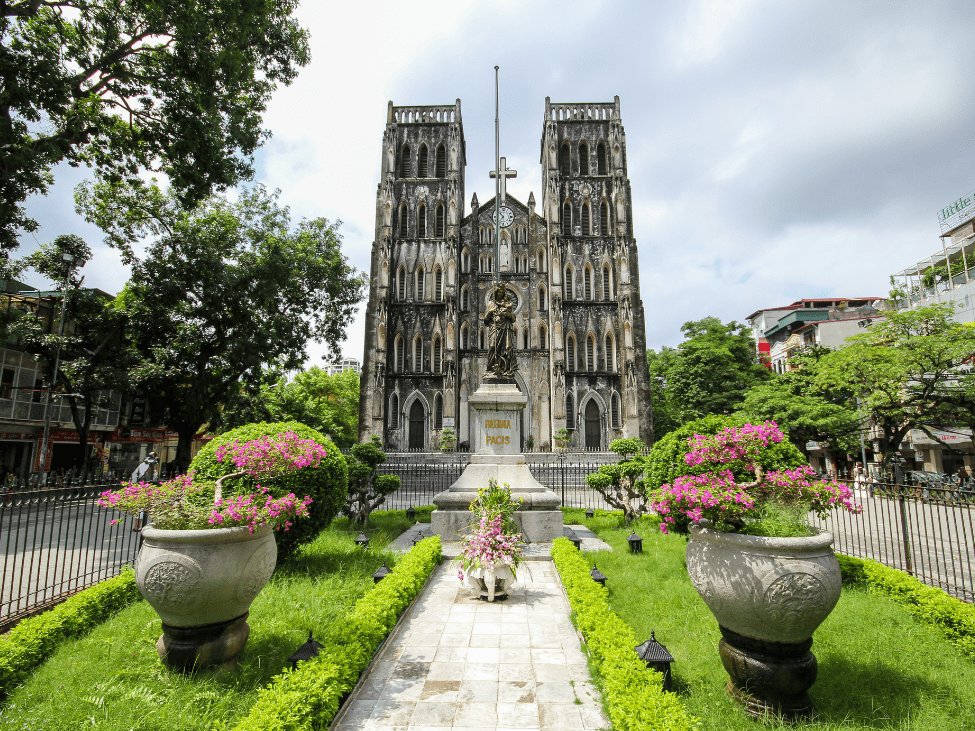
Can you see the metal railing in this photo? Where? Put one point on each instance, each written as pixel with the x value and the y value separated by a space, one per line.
pixel 926 531
pixel 56 542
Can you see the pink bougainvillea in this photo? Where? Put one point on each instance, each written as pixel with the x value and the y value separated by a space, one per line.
pixel 182 504
pixel 718 497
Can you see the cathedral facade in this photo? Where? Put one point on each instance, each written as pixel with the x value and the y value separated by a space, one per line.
pixel 570 266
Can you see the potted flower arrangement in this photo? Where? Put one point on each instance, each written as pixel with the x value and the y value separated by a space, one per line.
pixel 205 556
pixel 492 551
pixel 768 577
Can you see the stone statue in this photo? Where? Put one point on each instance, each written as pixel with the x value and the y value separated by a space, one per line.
pixel 500 321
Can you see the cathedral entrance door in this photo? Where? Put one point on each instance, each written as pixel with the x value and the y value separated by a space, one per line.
pixel 592 425
pixel 416 425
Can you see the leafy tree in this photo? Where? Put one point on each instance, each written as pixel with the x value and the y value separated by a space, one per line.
pixel 714 368
pixel 804 412
pixel 124 86
pixel 659 365
pixel 367 488
pixel 226 290
pixel 620 483
pixel 92 359
pixel 904 369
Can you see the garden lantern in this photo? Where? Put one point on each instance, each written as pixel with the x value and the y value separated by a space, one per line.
pixel 590 512
pixel 411 513
pixel 657 657
pixel 381 573
pixel 362 541
pixel 636 543
pixel 598 576
pixel 574 537
pixel 306 652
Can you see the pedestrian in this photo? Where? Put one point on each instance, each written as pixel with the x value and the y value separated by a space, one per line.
pixel 859 477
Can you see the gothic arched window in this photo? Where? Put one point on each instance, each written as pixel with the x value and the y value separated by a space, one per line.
pixel 570 412
pixel 438 412
pixel 541 260
pixel 404 162
pixel 439 226
pixel 606 282
pixel 421 222
pixel 465 299
pixel 567 283
pixel 584 219
pixel 441 162
pixel 436 354
pixel 610 359
pixel 419 284
pixel 525 336
pixel 421 162
pixel 590 353
pixel 570 353
pixel 565 161
pixel 394 412
pixel 604 219
pixel 601 165
pixel 417 354
pixel 541 298
pixel 615 411
pixel 583 158
pixel 402 221
pixel 401 284
pixel 465 261
pixel 567 219
pixel 542 343
pixel 480 336
pixel 400 354
pixel 587 284
pixel 465 335
pixel 438 291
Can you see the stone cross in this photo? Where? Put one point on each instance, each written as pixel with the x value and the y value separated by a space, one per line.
pixel 505 174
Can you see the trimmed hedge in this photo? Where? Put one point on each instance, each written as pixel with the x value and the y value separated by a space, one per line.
pixel 633 694
pixel 309 697
pixel 327 484
pixel 952 617
pixel 32 640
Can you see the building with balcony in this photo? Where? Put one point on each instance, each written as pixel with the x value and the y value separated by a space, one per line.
pixel 346 364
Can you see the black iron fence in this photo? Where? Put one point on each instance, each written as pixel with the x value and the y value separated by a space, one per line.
pixel 926 531
pixel 56 542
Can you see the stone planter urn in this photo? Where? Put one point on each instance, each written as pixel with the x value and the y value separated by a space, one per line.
pixel 201 584
pixel 769 595
pixel 491 584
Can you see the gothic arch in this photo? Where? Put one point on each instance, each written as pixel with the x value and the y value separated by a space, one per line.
pixel 566 218
pixel 607 283
pixel 569 283
pixel 565 160
pixel 405 169
pixel 393 420
pixel 601 162
pixel 583 158
pixel 615 411
pixel 402 221
pixel 421 221
pixel 584 219
pixel 417 398
pixel 465 333
pixel 399 354
pixel 587 282
pixel 422 169
pixel 417 353
pixel 542 299
pixel 609 346
pixel 465 260
pixel 418 284
pixel 401 284
pixel 437 284
pixel 441 161
pixel 540 259
pixel 570 353
pixel 542 337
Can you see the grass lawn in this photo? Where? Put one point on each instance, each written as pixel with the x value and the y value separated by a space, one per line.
pixel 112 678
pixel 878 668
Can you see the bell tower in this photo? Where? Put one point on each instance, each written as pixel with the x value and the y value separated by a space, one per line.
pixel 408 383
pixel 599 366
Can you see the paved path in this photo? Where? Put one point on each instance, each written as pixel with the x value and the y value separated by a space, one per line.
pixel 455 661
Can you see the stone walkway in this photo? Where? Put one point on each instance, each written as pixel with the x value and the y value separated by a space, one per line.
pixel 455 661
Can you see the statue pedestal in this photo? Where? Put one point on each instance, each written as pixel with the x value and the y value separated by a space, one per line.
pixel 496 405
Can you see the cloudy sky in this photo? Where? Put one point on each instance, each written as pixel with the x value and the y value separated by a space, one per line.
pixel 777 150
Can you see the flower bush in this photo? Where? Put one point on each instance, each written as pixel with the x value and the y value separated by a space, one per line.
pixel 774 502
pixel 186 504
pixel 493 541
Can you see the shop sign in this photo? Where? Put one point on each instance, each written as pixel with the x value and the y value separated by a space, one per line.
pixel 8 435
pixel 959 437
pixel 812 446
pixel 143 435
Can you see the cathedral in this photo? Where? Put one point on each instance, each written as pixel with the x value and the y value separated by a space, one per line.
pixel 570 266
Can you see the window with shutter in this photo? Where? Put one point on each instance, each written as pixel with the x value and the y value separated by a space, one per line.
pixel 566 219
pixel 421 162
pixel 404 162
pixel 419 284
pixel 402 221
pixel 436 355
pixel 570 415
pixel 583 158
pixel 616 411
pixel 565 161
pixel 438 293
pixel 584 219
pixel 606 284
pixel 439 232
pixel 400 354
pixel 542 343
pixel 438 412
pixel 394 412
pixel 609 354
pixel 604 219
pixel 590 354
pixel 401 284
pixel 601 159
pixel 441 162
pixel 421 222
pixel 570 354
pixel 587 284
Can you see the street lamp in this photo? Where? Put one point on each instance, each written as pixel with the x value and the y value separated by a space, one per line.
pixel 71 261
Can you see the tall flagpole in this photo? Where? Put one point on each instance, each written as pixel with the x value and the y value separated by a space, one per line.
pixel 497 184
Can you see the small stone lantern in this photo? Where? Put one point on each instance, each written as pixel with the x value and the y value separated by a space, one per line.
pixel 411 514
pixel 381 573
pixel 636 543
pixel 657 657
pixel 574 537
pixel 589 513
pixel 598 576
pixel 306 652
pixel 362 541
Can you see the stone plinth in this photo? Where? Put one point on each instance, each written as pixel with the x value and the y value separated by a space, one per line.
pixel 496 405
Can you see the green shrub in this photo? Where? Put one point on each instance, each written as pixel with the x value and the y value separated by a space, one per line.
pixel 666 460
pixel 952 617
pixel 327 484
pixel 308 698
pixel 30 642
pixel 632 693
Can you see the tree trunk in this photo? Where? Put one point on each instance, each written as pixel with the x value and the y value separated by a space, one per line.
pixel 184 446
pixel 83 427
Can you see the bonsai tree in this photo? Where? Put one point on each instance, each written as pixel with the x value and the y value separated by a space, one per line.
pixel 367 488
pixel 447 439
pixel 562 438
pixel 620 484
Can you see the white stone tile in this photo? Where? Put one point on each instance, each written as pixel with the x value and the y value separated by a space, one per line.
pixel 392 713
pixel 477 691
pixel 446 671
pixel 555 657
pixel 450 654
pixel 516 691
pixel 481 671
pixel 418 654
pixel 560 717
pixel 433 714
pixel 483 655
pixel 556 692
pixel 402 690
pixel 440 691
pixel 480 715
pixel 547 672
pixel 515 671
pixel 452 640
pixel 518 715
